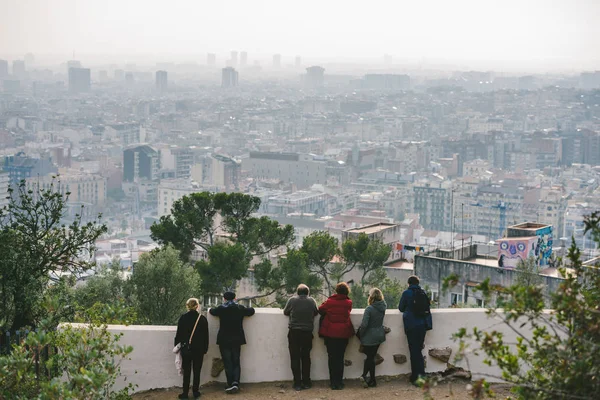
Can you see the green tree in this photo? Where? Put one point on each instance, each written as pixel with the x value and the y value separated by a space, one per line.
pixel 331 263
pixel 320 249
pixel 282 280
pixel 36 247
pixel 528 273
pixel 160 285
pixel 224 227
pixel 105 297
pixel 391 288
pixel 107 286
pixel 557 353
pixel 366 254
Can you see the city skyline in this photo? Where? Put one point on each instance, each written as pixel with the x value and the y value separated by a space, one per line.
pixel 509 35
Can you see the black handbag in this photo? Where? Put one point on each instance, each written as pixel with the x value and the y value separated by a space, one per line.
pixel 186 347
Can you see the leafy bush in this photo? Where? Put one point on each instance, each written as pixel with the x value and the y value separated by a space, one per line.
pixel 82 362
pixel 557 352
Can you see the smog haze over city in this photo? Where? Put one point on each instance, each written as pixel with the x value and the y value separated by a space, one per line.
pixel 497 35
pixel 431 123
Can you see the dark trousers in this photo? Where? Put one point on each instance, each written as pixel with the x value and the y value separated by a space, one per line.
pixel 195 361
pixel 369 366
pixel 336 348
pixel 300 345
pixel 416 339
pixel 231 361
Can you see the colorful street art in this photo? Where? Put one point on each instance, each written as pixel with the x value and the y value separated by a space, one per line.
pixel 512 250
pixel 543 250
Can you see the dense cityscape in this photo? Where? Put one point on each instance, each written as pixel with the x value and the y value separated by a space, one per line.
pixel 279 199
pixel 448 156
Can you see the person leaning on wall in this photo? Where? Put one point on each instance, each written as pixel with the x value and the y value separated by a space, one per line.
pixel 416 315
pixel 336 329
pixel 231 337
pixel 302 310
pixel 372 334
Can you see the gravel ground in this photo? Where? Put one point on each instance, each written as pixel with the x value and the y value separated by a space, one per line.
pixel 388 388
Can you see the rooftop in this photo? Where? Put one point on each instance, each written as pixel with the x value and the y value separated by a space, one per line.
pixel 529 226
pixel 371 229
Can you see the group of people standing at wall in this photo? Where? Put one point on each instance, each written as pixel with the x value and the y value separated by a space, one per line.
pixel 335 327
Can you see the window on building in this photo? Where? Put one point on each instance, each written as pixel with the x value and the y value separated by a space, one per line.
pixel 433 295
pixel 456 298
pixel 480 303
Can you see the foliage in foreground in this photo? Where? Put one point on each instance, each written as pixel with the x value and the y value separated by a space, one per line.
pixel 557 353
pixel 36 247
pixel 82 362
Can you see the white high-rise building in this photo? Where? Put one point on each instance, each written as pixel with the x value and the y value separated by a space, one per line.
pixel 4 182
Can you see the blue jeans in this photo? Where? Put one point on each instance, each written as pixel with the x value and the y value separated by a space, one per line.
pixel 416 339
pixel 231 361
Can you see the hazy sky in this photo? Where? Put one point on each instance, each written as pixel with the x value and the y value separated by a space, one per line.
pixel 518 33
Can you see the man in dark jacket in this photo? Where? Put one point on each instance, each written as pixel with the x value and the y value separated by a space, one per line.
pixel 415 327
pixel 231 337
pixel 302 310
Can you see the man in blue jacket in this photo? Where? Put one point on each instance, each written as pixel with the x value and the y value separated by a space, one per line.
pixel 415 326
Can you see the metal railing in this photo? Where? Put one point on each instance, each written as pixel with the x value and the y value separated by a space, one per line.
pixel 10 339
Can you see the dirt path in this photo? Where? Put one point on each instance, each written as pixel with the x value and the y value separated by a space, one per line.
pixel 396 388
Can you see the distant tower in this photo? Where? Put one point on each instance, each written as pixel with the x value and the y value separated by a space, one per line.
pixel 314 77
pixel 276 60
pixel 211 59
pixel 79 80
pixel 73 64
pixel 234 58
pixel 298 62
pixel 387 59
pixel 18 68
pixel 3 68
pixel 161 81
pixel 229 78
pixel 243 58
pixel 129 79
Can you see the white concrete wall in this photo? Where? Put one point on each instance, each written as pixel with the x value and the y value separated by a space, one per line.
pixel 266 358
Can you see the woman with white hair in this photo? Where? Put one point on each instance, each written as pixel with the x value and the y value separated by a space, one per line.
pixel 192 339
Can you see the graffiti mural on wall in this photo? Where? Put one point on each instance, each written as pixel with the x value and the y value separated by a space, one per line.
pixel 513 250
pixel 543 250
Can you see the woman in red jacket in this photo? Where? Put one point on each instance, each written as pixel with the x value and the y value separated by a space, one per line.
pixel 337 328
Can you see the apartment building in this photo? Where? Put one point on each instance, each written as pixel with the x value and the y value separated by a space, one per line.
pixel 301 170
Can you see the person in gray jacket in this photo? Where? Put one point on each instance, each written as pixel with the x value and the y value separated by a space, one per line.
pixel 372 334
pixel 302 310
